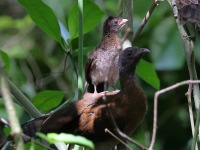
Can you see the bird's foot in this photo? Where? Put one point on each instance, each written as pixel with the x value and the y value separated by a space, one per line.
pixel 104 92
pixel 116 91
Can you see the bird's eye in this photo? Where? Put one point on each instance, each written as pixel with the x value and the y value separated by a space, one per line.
pixel 115 22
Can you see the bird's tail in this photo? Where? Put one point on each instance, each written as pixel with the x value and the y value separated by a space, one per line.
pixel 29 129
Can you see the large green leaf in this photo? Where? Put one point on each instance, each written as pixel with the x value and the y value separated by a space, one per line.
pixel 5 60
pixel 166 46
pixel 47 100
pixel 92 16
pixel 44 17
pixel 67 138
pixel 147 72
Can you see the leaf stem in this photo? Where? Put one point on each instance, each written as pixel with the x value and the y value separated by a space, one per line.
pixel 23 100
pixel 80 52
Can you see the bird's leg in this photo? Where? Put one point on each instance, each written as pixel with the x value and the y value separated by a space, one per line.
pixel 95 88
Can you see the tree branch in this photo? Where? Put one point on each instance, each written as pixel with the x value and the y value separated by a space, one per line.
pixel 156 106
pixel 189 54
pixel 145 20
pixel 9 105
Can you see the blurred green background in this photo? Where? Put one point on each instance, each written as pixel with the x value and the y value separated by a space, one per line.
pixel 39 64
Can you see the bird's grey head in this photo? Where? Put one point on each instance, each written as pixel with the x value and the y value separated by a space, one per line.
pixel 131 56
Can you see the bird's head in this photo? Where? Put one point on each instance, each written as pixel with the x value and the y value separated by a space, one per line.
pixel 114 24
pixel 129 57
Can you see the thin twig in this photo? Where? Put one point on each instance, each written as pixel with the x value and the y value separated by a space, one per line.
pixel 188 95
pixel 9 105
pixel 156 105
pixel 145 20
pixel 117 138
pixel 68 53
pixel 131 140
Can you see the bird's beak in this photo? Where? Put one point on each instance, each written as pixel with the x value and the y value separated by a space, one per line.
pixel 123 22
pixel 144 50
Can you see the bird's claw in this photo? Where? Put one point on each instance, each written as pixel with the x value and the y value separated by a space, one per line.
pixel 116 91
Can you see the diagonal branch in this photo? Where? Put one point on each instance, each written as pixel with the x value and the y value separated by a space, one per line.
pixel 145 20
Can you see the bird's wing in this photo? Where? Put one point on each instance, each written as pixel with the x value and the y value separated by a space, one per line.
pixel 69 113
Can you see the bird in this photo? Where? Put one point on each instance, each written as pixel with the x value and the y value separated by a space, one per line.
pixel 89 116
pixel 102 61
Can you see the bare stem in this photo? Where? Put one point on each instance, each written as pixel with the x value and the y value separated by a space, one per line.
pixel 188 94
pixel 80 52
pixel 113 135
pixel 156 105
pixel 190 58
pixel 9 105
pixel 145 20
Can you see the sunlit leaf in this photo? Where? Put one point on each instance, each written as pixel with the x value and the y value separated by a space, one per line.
pixel 92 16
pixel 67 138
pixel 44 17
pixel 47 100
pixel 64 32
pixel 147 72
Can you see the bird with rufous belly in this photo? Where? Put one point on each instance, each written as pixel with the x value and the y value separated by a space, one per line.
pixel 89 116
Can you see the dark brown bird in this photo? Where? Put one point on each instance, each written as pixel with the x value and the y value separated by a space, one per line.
pixel 89 116
pixel 102 61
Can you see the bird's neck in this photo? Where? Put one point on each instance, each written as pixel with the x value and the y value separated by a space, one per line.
pixel 110 39
pixel 110 35
pixel 127 79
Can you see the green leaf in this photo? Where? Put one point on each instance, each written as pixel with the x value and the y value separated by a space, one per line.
pixel 33 146
pixel 44 17
pixel 47 100
pixel 197 49
pixel 147 72
pixel 67 138
pixel 5 60
pixel 92 16
pixel 166 46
